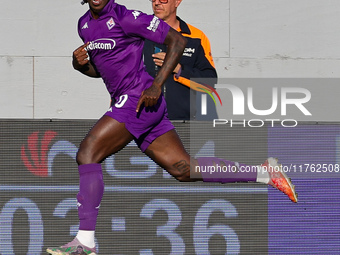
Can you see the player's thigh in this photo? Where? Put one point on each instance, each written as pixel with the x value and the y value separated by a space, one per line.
pixel 106 137
pixel 168 151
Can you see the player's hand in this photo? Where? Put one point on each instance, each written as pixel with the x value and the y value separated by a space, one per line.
pixel 159 57
pixel 80 57
pixel 149 97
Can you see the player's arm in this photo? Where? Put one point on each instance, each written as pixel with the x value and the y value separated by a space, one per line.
pixel 175 46
pixel 82 63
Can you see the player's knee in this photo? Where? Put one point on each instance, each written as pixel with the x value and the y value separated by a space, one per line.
pixel 84 157
pixel 80 158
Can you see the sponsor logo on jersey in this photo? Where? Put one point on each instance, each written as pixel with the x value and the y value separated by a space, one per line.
pixel 102 44
pixel 136 14
pixel 154 24
pixel 110 24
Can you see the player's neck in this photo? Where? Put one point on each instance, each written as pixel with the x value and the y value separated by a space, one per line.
pixel 94 14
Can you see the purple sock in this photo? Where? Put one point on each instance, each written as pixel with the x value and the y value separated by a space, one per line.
pixel 91 190
pixel 220 170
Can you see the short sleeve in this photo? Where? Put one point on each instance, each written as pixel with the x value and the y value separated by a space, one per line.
pixel 136 23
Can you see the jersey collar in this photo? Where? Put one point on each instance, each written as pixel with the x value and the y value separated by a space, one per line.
pixel 183 27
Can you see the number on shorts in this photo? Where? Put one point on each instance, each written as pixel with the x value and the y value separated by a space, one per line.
pixel 122 100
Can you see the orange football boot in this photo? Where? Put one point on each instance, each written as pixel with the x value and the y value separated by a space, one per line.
pixel 278 179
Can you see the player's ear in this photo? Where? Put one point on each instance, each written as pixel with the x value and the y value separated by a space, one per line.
pixel 178 2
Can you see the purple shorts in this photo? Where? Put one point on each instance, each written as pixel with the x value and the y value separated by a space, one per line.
pixel 146 125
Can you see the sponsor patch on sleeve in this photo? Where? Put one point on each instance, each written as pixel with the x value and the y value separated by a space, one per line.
pixel 154 24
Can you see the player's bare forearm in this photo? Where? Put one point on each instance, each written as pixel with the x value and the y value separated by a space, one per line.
pixel 82 63
pixel 175 46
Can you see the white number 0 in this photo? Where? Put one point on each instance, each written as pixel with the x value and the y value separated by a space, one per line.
pixel 122 100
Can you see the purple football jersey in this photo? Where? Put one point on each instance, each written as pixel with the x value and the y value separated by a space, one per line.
pixel 116 46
